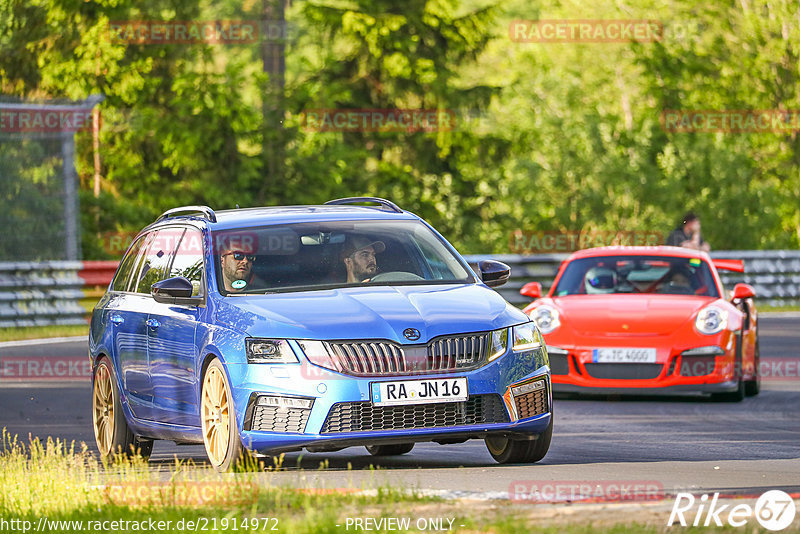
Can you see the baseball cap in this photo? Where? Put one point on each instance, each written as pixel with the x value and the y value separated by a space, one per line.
pixel 355 243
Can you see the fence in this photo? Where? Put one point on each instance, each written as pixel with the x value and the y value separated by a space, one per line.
pixel 775 274
pixel 33 294
pixel 39 210
pixel 51 292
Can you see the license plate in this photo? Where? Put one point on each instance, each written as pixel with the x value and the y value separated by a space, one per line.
pixel 624 355
pixel 419 391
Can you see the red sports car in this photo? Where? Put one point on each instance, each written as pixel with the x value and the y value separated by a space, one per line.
pixel 648 320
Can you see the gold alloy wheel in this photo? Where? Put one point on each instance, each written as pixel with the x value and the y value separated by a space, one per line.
pixel 216 418
pixel 103 403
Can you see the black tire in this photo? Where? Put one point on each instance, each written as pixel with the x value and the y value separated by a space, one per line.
pixel 509 451
pixel 233 455
pixel 738 394
pixel 390 450
pixel 753 387
pixel 107 417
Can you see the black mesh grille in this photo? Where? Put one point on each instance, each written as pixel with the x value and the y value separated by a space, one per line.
pixel 531 404
pixel 364 417
pixel 624 371
pixel 276 419
pixel 559 364
pixel 698 365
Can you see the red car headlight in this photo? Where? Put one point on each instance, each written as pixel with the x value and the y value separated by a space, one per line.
pixel 711 320
pixel 546 318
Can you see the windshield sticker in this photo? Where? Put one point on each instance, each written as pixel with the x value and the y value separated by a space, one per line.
pixel 694 261
pixel 238 284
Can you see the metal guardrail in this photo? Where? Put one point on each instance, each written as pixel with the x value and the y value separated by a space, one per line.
pixel 774 274
pixel 47 293
pixel 41 293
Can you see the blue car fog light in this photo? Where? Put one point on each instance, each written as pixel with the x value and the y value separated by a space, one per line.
pixel 527 388
pixel 285 402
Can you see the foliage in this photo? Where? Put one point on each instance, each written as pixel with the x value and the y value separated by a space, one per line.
pixel 550 136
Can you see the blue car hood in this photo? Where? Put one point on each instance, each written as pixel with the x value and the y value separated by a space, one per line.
pixel 375 312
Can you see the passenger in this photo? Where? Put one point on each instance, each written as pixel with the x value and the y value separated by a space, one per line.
pixel 687 235
pixel 600 280
pixel 358 255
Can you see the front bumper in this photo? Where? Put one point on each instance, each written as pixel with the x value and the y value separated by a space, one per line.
pixel 674 372
pixel 721 387
pixel 341 413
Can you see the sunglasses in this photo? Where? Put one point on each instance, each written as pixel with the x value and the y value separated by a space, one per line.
pixel 239 256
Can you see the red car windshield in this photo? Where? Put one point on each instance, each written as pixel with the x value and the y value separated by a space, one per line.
pixel 637 274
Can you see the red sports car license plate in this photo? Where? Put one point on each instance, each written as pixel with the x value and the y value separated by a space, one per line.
pixel 624 355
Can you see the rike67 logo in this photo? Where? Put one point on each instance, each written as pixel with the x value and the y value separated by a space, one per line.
pixel 774 510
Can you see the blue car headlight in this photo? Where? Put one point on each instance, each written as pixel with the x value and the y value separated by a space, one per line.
pixel 270 351
pixel 526 337
pixel 498 343
pixel 317 354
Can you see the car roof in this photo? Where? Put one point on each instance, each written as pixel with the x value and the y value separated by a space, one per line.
pixel 675 252
pixel 297 214
pixel 346 209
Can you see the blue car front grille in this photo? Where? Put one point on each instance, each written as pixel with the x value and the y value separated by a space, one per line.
pixel 363 416
pixel 441 355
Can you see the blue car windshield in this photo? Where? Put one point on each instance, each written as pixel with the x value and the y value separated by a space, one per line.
pixel 637 274
pixel 324 255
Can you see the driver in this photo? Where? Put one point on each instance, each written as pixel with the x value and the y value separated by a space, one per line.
pixel 679 281
pixel 600 280
pixel 237 271
pixel 358 255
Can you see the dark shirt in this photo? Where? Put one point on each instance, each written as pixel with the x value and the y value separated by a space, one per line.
pixel 678 236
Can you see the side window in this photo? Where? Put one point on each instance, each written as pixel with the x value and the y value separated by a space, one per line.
pixel 188 260
pixel 156 260
pixel 122 277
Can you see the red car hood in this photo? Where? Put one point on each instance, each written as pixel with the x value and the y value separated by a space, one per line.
pixel 615 315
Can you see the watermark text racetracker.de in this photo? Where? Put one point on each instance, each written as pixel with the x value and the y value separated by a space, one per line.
pixel 730 121
pixel 585 490
pixel 585 31
pixel 546 241
pixel 44 368
pixel 197 524
pixel 774 510
pixel 769 369
pixel 44 120
pixel 378 120
pixel 190 32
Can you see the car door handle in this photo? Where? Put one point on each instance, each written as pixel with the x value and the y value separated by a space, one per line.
pixel 117 319
pixel 153 323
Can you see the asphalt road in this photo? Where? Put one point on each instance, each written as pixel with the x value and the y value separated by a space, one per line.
pixel 679 442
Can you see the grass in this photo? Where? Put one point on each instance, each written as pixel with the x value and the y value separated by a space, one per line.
pixel 69 485
pixel 765 308
pixel 65 483
pixel 18 333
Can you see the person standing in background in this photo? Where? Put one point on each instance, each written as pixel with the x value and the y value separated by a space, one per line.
pixel 687 235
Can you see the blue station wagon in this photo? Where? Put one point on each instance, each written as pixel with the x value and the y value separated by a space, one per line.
pixel 265 330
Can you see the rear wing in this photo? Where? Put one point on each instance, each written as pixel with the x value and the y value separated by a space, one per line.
pixel 736 266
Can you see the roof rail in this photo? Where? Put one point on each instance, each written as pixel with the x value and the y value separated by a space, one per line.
pixel 207 212
pixel 358 200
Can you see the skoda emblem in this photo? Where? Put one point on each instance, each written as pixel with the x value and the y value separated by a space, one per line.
pixel 411 334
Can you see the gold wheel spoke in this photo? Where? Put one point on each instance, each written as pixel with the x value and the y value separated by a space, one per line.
pixel 103 401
